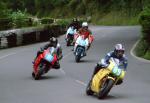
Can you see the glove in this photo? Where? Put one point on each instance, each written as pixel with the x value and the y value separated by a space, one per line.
pixel 41 50
pixel 105 65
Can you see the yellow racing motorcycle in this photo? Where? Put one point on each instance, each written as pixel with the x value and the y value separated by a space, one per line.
pixel 105 79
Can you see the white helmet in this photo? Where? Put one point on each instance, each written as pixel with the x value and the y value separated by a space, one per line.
pixel 119 50
pixel 119 47
pixel 84 24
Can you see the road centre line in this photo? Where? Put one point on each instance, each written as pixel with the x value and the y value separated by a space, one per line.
pixel 2 57
pixel 80 82
pixel 63 72
pixel 61 69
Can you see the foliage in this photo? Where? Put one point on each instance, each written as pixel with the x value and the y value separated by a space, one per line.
pixel 74 8
pixel 115 18
pixel 147 54
pixel 141 48
pixel 19 19
pixel 63 22
pixel 47 20
pixel 144 19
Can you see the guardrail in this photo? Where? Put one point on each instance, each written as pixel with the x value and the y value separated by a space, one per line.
pixel 24 36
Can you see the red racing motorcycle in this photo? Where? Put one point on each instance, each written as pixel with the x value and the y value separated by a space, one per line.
pixel 44 62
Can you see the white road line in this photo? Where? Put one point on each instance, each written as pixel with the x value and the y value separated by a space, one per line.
pixel 61 69
pixel 63 72
pixel 141 59
pixel 2 57
pixel 80 82
pixel 67 55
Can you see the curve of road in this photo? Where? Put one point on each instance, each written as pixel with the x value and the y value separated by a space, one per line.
pixel 68 84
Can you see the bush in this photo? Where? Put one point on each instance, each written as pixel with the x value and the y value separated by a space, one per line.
pixel 144 45
pixel 141 48
pixel 147 54
pixel 19 19
pixel 63 22
pixel 47 20
pixel 144 20
pixel 4 23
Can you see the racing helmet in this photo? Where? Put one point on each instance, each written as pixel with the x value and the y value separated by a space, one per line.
pixel 53 41
pixel 84 24
pixel 119 50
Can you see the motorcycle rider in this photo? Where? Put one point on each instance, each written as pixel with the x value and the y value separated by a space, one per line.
pixel 118 53
pixel 82 39
pixel 53 43
pixel 70 32
pixel 75 23
pixel 85 31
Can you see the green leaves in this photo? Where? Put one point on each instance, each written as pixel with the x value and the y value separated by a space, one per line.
pixel 19 19
pixel 143 48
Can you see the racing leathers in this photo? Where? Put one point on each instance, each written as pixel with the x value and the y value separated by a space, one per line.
pixel 123 62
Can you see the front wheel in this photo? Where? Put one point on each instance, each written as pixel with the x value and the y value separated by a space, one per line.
pixel 77 58
pixel 56 65
pixel 88 89
pixel 105 88
pixel 36 77
pixel 39 73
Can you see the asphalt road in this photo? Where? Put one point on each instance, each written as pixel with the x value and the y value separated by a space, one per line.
pixel 68 84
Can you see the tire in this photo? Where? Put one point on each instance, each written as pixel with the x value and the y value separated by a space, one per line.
pixel 77 58
pixel 37 77
pixel 105 90
pixel 68 43
pixel 88 89
pixel 33 75
pixel 56 65
pixel 40 71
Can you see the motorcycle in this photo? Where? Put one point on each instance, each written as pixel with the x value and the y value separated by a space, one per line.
pixel 80 50
pixel 43 63
pixel 70 40
pixel 103 81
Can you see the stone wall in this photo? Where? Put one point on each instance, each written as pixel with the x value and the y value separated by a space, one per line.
pixel 24 36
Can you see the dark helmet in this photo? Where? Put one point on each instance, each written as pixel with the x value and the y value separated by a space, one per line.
pixel 119 50
pixel 53 41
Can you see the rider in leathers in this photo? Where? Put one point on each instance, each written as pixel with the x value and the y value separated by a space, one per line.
pixel 117 53
pixel 53 42
pixel 84 30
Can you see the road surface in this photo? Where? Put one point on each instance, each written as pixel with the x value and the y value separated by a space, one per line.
pixel 68 84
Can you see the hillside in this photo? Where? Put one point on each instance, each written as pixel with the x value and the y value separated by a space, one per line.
pixel 104 12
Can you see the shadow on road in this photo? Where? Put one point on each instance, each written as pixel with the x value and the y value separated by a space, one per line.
pixel 84 61
pixel 110 97
pixel 88 61
pixel 118 96
pixel 46 77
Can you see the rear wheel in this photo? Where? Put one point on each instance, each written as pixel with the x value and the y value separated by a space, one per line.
pixel 68 43
pixel 33 75
pixel 105 88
